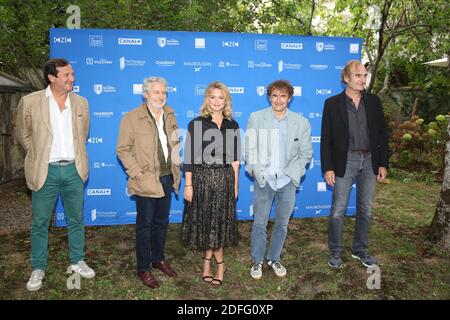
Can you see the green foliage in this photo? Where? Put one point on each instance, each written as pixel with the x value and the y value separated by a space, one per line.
pixel 419 146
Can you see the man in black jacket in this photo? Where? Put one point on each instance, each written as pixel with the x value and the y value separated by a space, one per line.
pixel 353 149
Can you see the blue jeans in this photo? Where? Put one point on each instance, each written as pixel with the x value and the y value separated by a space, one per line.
pixel 358 169
pixel 262 204
pixel 151 226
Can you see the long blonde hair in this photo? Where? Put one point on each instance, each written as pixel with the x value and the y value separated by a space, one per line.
pixel 227 111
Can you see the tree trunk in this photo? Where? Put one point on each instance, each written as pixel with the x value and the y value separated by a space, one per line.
pixel 439 230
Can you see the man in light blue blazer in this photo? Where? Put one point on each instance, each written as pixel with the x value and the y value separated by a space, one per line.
pixel 276 151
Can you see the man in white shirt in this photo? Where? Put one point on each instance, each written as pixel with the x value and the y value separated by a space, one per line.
pixel 52 125
pixel 148 146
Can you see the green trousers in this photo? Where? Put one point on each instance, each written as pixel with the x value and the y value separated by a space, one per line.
pixel 64 180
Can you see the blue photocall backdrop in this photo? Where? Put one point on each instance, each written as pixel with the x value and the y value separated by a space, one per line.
pixel 111 64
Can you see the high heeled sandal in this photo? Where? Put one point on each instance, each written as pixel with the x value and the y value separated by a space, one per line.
pixel 219 282
pixel 208 279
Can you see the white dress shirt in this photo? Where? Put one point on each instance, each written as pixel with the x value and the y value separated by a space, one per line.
pixel 161 133
pixel 62 144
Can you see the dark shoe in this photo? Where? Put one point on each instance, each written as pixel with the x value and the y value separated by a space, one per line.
pixel 366 260
pixel 165 268
pixel 147 279
pixel 208 279
pixel 218 282
pixel 335 261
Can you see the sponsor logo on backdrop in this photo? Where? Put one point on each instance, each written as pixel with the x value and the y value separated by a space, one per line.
pixel 315 139
pixel 252 64
pixel 95 140
pixel 297 91
pixel 165 63
pixel 124 62
pixel 200 43
pixel 354 48
pixel 320 46
pixel 230 44
pixel 62 40
pixel 171 89
pixel 130 41
pixel 237 114
pixel 250 210
pixel 339 67
pixel 226 64
pixel 60 215
pixel 313 115
pixel 199 89
pixel 323 92
pixel 95 41
pixel 137 88
pixel 76 89
pixel 131 213
pixel 260 90
pixel 190 113
pixel 99 165
pixel 198 65
pixel 291 45
pixel 98 192
pixel 163 41
pixel 103 114
pixel 319 67
pixel 100 88
pixel 261 45
pixel 95 214
pixel 319 207
pixel 321 186
pixel 292 66
pixel 91 61
pixel 237 90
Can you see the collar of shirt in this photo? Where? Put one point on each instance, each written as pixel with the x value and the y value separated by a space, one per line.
pixel 282 118
pixel 160 122
pixel 49 94
pixel 226 123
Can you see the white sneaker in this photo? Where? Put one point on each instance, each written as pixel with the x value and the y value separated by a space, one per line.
pixel 278 268
pixel 35 281
pixel 83 269
pixel 256 270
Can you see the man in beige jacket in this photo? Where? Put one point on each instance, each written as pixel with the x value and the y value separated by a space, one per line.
pixel 52 125
pixel 148 146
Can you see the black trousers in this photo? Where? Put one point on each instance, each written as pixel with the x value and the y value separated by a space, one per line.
pixel 151 226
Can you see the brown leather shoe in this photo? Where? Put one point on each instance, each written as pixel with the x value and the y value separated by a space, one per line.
pixel 165 268
pixel 147 279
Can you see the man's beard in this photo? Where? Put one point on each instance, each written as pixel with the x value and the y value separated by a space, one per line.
pixel 155 106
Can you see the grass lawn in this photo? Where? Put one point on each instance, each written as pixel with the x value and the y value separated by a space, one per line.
pixel 411 268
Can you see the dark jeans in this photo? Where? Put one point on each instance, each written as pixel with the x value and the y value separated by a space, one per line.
pixel 358 170
pixel 151 226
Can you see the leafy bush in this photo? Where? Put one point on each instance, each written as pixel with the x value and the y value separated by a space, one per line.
pixel 419 146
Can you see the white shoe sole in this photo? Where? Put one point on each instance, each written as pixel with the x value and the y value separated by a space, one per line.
pixel 33 288
pixel 364 264
pixel 334 267
pixel 256 277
